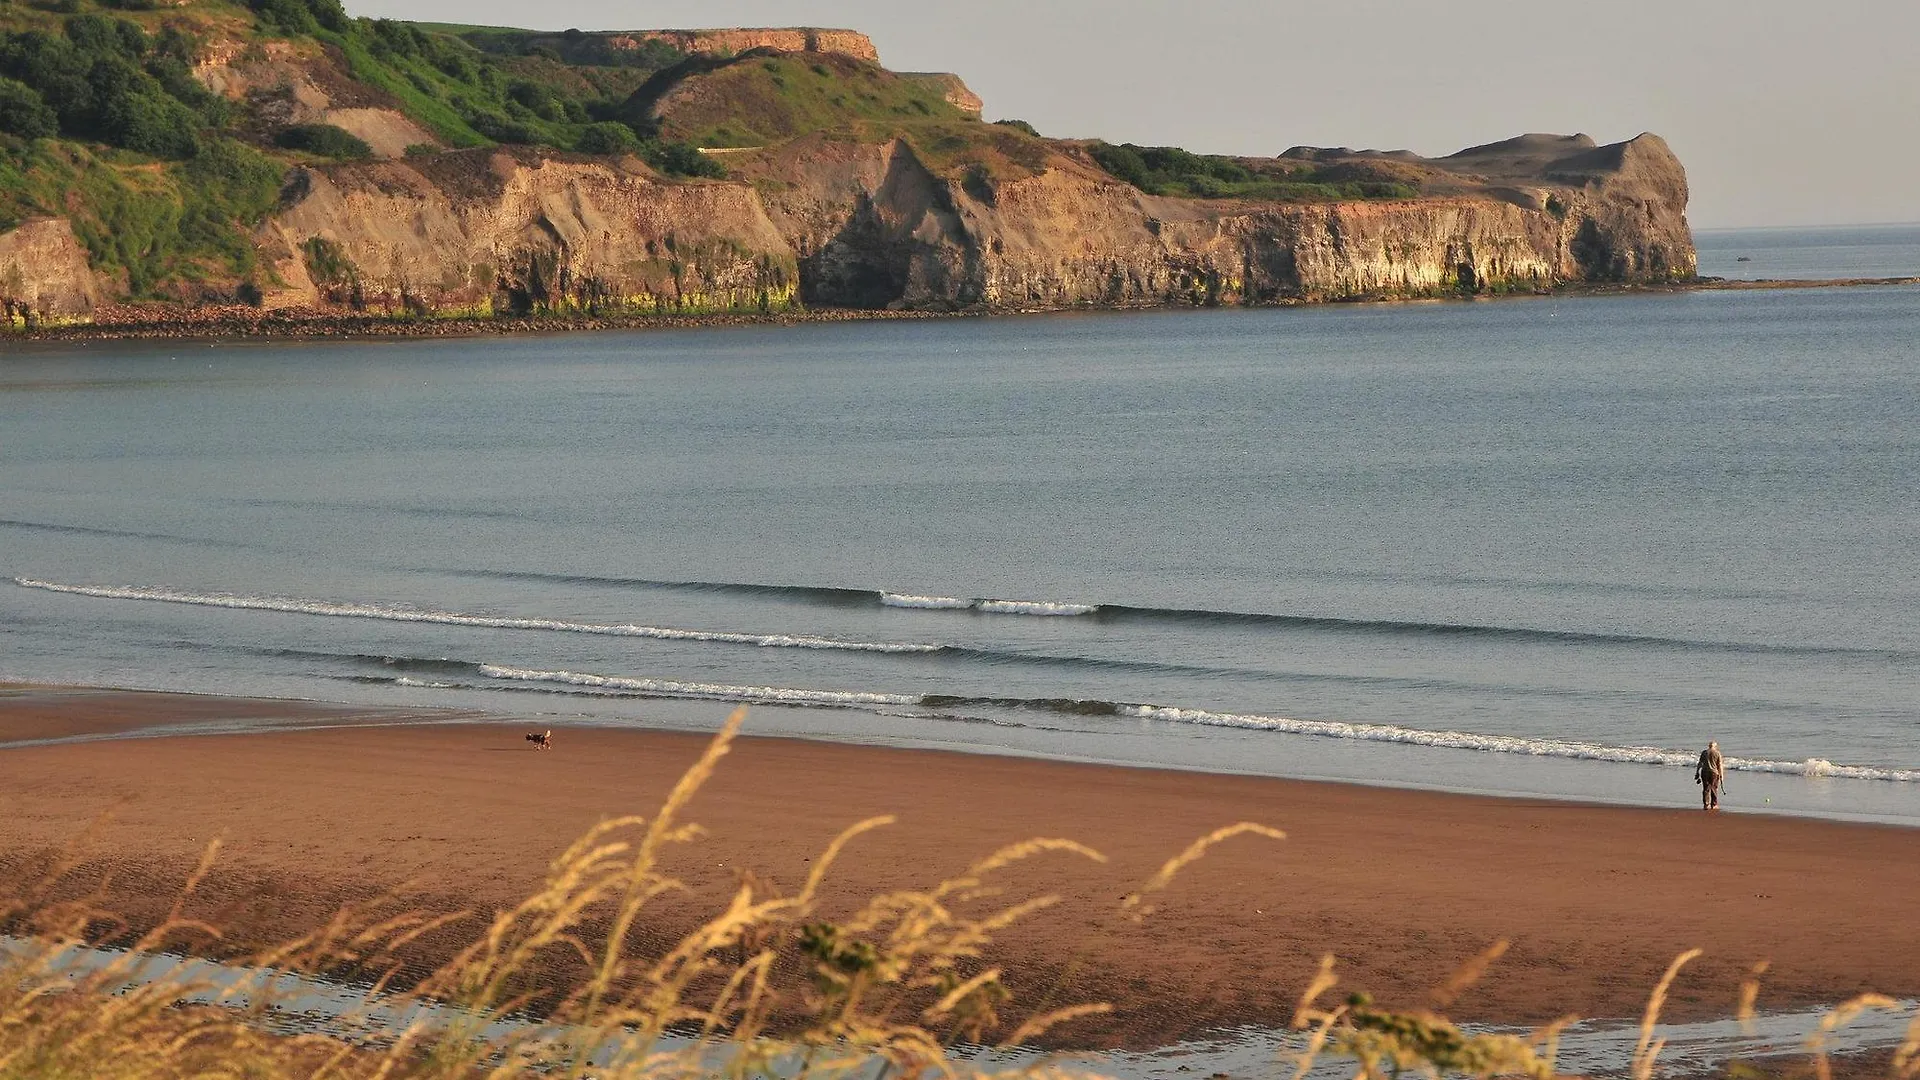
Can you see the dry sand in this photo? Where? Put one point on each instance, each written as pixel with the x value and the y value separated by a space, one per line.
pixel 1400 885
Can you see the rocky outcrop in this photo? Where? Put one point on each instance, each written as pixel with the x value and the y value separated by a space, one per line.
pixel 490 232
pixel 44 277
pixel 787 39
pixel 953 88
pixel 874 227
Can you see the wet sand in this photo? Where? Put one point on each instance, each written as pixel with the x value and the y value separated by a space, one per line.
pixel 1401 885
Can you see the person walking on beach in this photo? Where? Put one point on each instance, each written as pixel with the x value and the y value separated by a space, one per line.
pixel 1708 774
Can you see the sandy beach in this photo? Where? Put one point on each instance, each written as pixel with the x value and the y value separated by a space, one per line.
pixel 1400 885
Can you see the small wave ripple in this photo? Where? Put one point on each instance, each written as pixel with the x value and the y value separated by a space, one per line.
pixel 395 613
pixel 773 695
pixel 1116 612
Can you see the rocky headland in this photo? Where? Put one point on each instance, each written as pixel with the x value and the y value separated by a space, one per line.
pixel 808 178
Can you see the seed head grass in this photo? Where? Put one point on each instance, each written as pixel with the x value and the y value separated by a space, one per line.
pixel 565 984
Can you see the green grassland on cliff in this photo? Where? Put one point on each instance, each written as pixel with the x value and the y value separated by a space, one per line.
pixel 756 101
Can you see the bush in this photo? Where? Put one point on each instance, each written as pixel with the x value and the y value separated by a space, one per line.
pixel 152 124
pixel 23 113
pixel 325 140
pixel 683 159
pixel 500 129
pixel 606 138
pixel 92 33
pixel 539 100
pixel 303 16
pixel 1019 125
pixel 1122 162
pixel 1169 170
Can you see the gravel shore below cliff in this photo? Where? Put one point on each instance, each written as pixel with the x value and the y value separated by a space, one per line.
pixel 162 322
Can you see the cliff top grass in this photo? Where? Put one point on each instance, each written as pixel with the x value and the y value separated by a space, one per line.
pixel 758 100
pixel 1169 170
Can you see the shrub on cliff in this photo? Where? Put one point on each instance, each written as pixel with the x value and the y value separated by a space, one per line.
pixel 302 16
pixel 606 137
pixel 1169 170
pixel 105 79
pixel 500 129
pixel 22 112
pixel 325 140
pixel 683 159
pixel 151 124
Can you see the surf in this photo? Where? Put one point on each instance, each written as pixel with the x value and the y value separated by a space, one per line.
pixel 396 613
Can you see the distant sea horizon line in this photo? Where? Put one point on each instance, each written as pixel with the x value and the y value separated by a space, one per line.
pixel 1795 227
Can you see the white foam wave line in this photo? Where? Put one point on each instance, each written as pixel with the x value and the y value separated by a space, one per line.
pixel 1035 607
pixel 455 618
pixel 933 603
pixel 1509 744
pixel 778 695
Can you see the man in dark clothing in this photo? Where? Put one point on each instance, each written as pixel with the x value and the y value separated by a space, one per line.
pixel 1709 774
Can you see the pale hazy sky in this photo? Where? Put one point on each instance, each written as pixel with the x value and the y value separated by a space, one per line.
pixel 1785 112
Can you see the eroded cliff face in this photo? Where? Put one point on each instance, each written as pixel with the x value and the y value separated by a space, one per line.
pixel 491 232
pixel 875 227
pixel 44 277
pixel 738 40
pixel 839 223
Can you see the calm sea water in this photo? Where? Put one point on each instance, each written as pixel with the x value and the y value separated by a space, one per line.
pixel 1849 251
pixel 1547 546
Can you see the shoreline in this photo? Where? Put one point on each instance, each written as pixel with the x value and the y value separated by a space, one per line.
pixel 240 323
pixel 671 715
pixel 1402 885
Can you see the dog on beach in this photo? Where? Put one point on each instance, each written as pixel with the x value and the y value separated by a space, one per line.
pixel 542 740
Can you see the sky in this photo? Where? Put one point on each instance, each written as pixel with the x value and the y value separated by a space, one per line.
pixel 1784 112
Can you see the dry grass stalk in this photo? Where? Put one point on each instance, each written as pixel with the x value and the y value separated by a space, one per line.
pixel 1135 903
pixel 1840 1016
pixel 1467 974
pixel 1906 1059
pixel 1750 996
pixel 765 987
pixel 1647 1050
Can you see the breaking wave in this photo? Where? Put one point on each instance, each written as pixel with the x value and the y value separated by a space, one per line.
pixel 991 607
pixel 929 603
pixel 1033 607
pixel 393 613
pixel 1566 749
pixel 1507 744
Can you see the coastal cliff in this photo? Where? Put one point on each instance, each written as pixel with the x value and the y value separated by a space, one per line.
pixel 835 224
pixel 494 232
pixel 756 171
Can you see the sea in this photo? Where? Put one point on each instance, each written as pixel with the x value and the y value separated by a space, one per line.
pixel 1529 547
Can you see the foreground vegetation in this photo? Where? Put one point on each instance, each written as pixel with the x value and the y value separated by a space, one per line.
pixel 766 987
